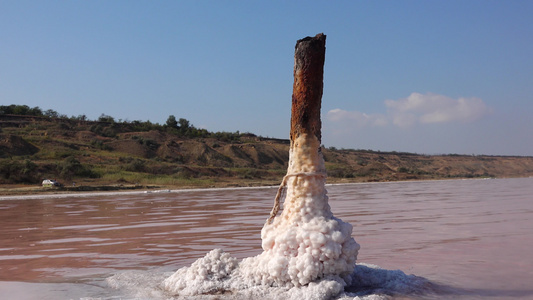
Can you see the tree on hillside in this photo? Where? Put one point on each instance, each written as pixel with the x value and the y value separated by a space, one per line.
pixel 184 123
pixel 171 122
pixel 51 113
pixel 80 118
pixel 184 126
pixel 106 118
pixel 14 109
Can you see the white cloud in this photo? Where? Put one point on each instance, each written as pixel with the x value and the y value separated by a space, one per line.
pixel 416 108
pixel 356 119
pixel 433 108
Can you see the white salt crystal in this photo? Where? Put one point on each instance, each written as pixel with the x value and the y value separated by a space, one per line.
pixel 305 247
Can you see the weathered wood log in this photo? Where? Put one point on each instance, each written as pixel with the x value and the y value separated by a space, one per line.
pixel 309 56
pixel 305 158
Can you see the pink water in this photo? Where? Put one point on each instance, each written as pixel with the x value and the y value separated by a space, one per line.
pixel 473 238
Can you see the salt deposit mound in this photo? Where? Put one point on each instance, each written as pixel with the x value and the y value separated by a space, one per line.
pixel 304 244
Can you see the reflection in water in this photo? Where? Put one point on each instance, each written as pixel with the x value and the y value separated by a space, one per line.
pixel 471 236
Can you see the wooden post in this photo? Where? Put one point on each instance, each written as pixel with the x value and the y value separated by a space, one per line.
pixel 291 239
pixel 305 155
pixel 308 84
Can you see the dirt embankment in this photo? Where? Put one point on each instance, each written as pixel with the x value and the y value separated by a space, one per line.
pixel 125 155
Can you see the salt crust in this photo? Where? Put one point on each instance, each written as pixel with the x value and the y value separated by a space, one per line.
pixel 369 282
pixel 305 248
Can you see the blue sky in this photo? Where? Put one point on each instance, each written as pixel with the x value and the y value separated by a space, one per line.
pixel 418 76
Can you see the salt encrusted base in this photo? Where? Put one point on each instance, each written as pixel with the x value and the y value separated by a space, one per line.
pixel 302 245
pixel 306 242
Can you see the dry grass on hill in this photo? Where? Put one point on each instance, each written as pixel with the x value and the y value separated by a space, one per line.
pixel 112 154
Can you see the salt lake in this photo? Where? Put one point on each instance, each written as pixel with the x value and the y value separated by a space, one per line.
pixel 470 239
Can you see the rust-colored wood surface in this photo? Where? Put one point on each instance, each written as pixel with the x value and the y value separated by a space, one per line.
pixel 309 56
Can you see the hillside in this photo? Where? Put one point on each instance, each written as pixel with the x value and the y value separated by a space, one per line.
pixel 81 154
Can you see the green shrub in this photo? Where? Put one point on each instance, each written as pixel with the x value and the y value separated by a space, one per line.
pixel 71 167
pixel 14 171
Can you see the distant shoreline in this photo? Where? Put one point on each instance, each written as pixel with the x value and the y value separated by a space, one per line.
pixel 5 195
pixel 151 190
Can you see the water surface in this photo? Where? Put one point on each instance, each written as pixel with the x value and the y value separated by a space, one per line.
pixel 472 237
